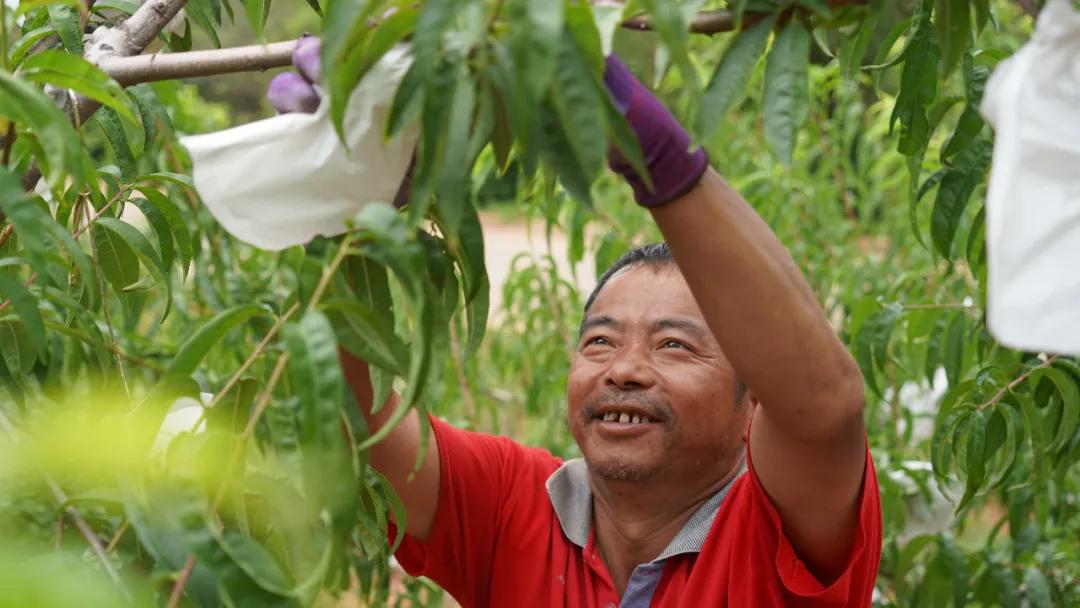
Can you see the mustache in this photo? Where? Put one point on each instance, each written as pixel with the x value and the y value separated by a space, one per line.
pixel 654 408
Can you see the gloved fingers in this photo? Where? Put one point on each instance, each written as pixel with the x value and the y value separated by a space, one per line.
pixel 306 58
pixel 290 92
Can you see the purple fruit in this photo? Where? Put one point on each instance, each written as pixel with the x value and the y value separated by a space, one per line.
pixel 306 58
pixel 290 93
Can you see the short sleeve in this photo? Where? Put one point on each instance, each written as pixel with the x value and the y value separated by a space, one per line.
pixel 855 585
pixel 476 475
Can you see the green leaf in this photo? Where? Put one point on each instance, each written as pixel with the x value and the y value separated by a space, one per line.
pixel 367 334
pixel 26 307
pixel 23 45
pixel 558 153
pixel 151 112
pixel 62 157
pixel 853 49
pixel 918 86
pixel 66 22
pixel 578 107
pixel 954 349
pixel 160 225
pixel 872 344
pixel 142 248
pixel 970 124
pixel 534 40
pixel 670 23
pixel 192 351
pixel 351 46
pixel 73 72
pixel 957 186
pixel 16 347
pixel 115 257
pixel 177 224
pixel 114 132
pixel 1037 588
pixel 728 83
pixel 257 11
pixel 786 100
pixel 255 560
pixel 1069 393
pixel 953 20
pixel 455 175
pixel 976 459
pixel 205 17
pixel 1008 591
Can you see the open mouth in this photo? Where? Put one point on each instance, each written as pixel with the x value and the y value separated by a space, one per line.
pixel 624 418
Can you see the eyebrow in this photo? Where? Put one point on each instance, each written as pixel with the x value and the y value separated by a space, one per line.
pixel 685 324
pixel 594 322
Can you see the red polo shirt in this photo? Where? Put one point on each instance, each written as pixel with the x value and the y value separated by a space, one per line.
pixel 504 536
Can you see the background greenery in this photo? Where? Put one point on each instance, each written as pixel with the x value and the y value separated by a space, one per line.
pixel 120 294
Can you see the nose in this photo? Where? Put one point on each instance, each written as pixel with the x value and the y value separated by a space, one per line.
pixel 630 369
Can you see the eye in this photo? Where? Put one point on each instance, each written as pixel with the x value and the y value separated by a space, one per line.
pixel 675 344
pixel 598 340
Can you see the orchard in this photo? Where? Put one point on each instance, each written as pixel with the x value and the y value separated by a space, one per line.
pixel 175 427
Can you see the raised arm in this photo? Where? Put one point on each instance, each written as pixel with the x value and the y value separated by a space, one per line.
pixel 807 437
pixel 395 456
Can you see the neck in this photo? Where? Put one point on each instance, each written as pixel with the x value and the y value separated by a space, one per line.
pixel 636 521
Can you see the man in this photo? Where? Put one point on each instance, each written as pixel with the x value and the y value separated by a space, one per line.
pixel 720 419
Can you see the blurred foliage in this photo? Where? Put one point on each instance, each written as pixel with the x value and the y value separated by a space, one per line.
pixel 123 305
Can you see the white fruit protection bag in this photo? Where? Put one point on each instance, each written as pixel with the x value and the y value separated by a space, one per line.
pixel 278 182
pixel 1033 203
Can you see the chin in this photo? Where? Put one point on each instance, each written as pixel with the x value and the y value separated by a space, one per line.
pixel 617 469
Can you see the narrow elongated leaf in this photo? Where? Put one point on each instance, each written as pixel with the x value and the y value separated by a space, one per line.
pixel 367 335
pixel 976 459
pixel 918 85
pixel 142 248
pixel 534 39
pixel 26 306
pixel 1067 390
pixel 953 19
pixel 256 11
pixel 577 104
pixel 954 348
pixel 1005 580
pixel 66 22
pixel 957 186
pixel 192 351
pixel 23 45
pixel 854 47
pixel 62 152
pixel 160 226
pixel 970 124
pixel 454 178
pixel 1037 588
pixel 786 100
pixel 872 344
pixel 118 141
pixel 670 23
pixel 255 560
pixel 728 83
pixel 177 224
pixel 16 347
pixel 75 73
pixel 114 256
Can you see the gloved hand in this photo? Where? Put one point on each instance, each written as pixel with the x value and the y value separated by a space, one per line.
pixel 665 145
pixel 295 92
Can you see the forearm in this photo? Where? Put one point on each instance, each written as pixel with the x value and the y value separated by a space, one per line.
pixel 760 308
pixel 395 456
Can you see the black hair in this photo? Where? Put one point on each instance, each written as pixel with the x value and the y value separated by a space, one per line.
pixel 656 256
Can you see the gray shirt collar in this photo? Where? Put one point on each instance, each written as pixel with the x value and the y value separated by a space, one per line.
pixel 571 497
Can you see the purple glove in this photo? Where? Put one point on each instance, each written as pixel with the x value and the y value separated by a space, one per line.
pixel 291 92
pixel 665 145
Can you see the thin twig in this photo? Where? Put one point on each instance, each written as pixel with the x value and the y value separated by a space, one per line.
pixel 82 228
pixel 117 536
pixel 181 582
pixel 1019 379
pixel 459 369
pixel 719 21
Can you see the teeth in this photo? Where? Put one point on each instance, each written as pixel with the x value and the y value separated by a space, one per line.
pixel 610 417
pixel 635 419
pixel 624 417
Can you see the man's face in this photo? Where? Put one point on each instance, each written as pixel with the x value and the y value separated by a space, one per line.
pixel 649 391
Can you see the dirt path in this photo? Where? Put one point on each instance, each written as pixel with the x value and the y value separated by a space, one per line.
pixel 506 239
